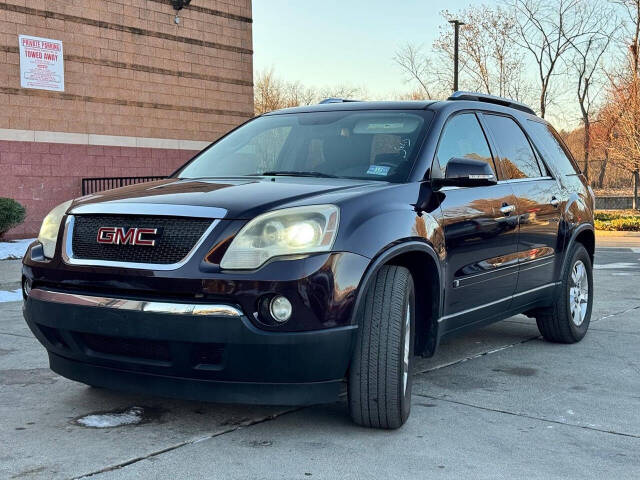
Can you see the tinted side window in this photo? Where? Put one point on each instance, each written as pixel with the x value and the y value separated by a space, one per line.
pixel 518 159
pixel 548 140
pixel 463 138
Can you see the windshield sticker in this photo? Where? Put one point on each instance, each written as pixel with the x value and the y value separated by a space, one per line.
pixel 378 170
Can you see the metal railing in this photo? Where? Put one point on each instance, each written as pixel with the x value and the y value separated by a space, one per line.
pixel 95 185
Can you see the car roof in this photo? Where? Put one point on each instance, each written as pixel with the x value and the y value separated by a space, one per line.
pixel 458 101
pixel 357 105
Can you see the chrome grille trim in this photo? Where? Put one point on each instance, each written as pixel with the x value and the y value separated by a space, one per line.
pixel 68 257
pixel 214 310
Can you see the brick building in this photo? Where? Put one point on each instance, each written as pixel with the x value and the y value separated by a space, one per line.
pixel 142 92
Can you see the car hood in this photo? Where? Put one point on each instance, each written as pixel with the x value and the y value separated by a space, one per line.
pixel 240 198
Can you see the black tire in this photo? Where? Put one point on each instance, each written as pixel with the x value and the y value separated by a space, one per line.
pixel 378 397
pixel 556 323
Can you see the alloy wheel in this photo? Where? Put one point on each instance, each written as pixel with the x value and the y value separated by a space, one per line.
pixel 407 341
pixel 578 293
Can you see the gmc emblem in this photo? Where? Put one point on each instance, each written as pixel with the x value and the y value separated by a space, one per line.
pixel 120 236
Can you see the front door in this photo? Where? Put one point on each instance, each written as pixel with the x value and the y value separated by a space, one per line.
pixel 481 231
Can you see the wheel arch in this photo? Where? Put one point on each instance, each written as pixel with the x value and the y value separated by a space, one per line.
pixel 424 265
pixel 585 235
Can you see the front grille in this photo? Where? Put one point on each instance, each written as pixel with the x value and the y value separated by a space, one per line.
pixel 127 347
pixel 175 238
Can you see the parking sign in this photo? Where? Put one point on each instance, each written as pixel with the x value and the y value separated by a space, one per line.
pixel 41 63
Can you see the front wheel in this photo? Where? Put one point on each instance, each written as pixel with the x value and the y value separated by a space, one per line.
pixel 379 383
pixel 567 320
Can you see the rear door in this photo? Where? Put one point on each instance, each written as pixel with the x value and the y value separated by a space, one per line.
pixel 480 229
pixel 538 197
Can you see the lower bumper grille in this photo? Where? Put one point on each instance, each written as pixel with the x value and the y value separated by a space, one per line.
pixel 127 347
pixel 207 354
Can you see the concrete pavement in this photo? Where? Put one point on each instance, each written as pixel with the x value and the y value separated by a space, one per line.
pixel 499 403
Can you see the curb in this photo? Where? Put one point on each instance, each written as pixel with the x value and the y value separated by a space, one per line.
pixel 606 233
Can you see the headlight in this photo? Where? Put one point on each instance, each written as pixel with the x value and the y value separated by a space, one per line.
pixel 48 235
pixel 291 231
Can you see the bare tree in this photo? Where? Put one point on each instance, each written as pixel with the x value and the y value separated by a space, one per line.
pixel 625 92
pixel 273 93
pixel 268 92
pixel 298 94
pixel 602 136
pixel 491 63
pixel 418 68
pixel 632 10
pixel 547 29
pixel 588 51
pixel 417 94
pixel 341 91
pixel 624 144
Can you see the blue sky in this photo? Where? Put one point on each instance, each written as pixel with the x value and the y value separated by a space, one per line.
pixel 349 42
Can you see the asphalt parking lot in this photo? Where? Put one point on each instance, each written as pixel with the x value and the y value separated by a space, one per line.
pixel 499 403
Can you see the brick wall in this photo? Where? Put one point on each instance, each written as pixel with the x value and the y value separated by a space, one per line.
pixel 43 175
pixel 130 72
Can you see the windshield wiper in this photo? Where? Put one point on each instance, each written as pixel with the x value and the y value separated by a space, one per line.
pixel 294 173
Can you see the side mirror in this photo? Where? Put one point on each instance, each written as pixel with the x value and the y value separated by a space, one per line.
pixel 465 172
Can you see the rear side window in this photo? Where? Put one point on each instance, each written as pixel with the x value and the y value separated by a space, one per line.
pixel 517 158
pixel 463 138
pixel 552 147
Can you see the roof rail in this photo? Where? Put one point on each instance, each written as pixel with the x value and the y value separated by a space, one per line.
pixel 337 100
pixel 483 97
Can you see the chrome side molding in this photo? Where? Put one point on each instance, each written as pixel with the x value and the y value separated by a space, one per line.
pixel 197 309
pixel 495 302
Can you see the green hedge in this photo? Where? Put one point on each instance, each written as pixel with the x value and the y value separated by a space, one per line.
pixel 11 214
pixel 617 221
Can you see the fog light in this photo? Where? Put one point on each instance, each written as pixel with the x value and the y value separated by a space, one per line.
pixel 280 309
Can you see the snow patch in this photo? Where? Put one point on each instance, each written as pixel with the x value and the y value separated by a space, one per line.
pixel 15 249
pixel 10 296
pixel 130 416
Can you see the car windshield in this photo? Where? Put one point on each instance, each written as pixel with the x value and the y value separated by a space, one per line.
pixel 365 144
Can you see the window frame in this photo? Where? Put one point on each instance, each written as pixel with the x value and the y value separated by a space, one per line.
pixel 554 133
pixel 492 151
pixel 545 172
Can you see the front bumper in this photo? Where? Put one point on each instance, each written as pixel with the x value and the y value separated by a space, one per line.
pixel 203 351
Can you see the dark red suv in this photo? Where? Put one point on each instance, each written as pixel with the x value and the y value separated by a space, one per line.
pixel 316 245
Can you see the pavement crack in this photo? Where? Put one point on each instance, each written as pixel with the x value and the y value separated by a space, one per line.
pixel 415 373
pixel 177 446
pixel 609 330
pixel 16 335
pixel 530 417
pixel 477 355
pixel 617 313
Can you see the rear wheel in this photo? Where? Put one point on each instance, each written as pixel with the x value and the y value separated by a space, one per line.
pixel 567 320
pixel 379 383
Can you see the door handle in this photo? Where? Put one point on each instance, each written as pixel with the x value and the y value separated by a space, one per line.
pixel 555 202
pixel 507 209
